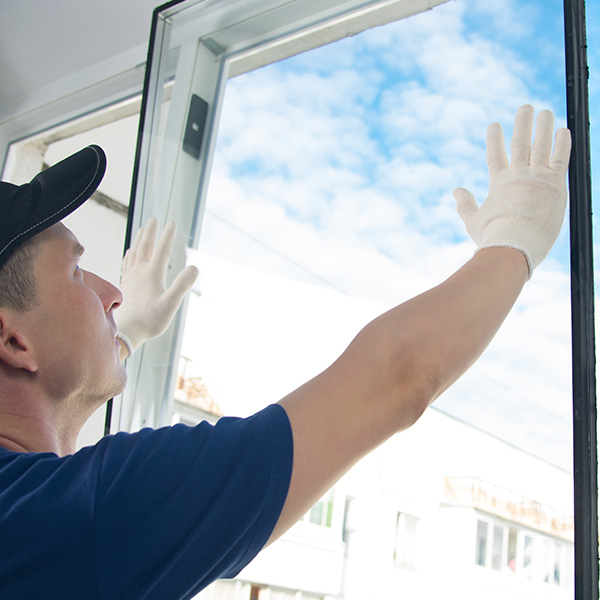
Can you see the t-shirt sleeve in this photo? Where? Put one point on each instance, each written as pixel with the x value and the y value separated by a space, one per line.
pixel 178 507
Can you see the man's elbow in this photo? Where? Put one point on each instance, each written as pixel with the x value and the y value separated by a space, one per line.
pixel 414 393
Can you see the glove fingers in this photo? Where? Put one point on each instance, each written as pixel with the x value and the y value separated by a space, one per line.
pixel 542 143
pixel 520 148
pixel 559 161
pixel 131 254
pixel 496 152
pixel 145 247
pixel 180 286
pixel 466 205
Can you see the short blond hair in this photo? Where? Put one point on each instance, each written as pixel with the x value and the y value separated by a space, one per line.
pixel 18 286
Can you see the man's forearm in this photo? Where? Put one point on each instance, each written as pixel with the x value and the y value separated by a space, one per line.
pixel 434 338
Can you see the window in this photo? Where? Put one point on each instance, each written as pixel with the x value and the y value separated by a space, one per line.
pixel 481 544
pixel 497 550
pixel 553 570
pixel 511 562
pixel 347 521
pixel 528 556
pixel 496 546
pixel 557 563
pixel 510 549
pixel 322 512
pixel 405 547
pixel 557 573
pixel 249 214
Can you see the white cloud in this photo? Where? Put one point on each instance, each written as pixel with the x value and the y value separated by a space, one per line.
pixel 337 169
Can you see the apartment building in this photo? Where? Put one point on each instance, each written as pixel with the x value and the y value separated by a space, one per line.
pixel 441 510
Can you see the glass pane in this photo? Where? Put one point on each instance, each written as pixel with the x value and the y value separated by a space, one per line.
pixel 481 543
pixel 528 556
pixel 316 513
pixel 335 169
pixel 512 549
pixel 549 563
pixel 330 202
pixel 558 560
pixel 406 541
pixel 497 551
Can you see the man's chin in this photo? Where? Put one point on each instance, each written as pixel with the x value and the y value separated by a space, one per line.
pixel 119 384
pixel 122 384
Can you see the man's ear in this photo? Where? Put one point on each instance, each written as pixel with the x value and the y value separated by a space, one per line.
pixel 15 350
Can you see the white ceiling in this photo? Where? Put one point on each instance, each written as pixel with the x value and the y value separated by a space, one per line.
pixel 44 41
pixel 62 58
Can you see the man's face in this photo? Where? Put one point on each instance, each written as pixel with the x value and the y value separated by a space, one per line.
pixel 72 328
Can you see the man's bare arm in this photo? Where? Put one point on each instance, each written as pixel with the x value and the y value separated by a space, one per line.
pixel 403 360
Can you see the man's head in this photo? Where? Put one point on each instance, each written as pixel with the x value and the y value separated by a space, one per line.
pixel 28 209
pixel 56 323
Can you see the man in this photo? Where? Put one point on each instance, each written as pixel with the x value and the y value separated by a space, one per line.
pixel 160 514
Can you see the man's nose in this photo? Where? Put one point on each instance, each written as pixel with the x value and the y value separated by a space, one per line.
pixel 110 295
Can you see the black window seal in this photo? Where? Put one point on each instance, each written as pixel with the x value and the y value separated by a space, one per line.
pixel 585 445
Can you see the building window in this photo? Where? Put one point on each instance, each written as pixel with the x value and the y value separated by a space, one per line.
pixel 405 546
pixel 481 543
pixel 528 556
pixel 507 548
pixel 555 563
pixel 255 592
pixel 322 512
pixel 498 547
pixel 511 561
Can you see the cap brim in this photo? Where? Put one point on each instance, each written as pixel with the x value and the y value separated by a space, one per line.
pixel 49 197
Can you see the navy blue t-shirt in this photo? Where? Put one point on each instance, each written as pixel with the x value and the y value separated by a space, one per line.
pixel 155 514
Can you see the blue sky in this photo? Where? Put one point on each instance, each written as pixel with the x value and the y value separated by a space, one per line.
pixel 400 110
pixel 335 168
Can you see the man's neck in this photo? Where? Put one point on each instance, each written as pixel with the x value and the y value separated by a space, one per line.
pixel 28 434
pixel 9 444
pixel 29 422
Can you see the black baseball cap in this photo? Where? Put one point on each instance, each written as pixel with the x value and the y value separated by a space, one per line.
pixel 28 209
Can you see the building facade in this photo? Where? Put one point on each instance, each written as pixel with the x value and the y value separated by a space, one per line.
pixel 441 510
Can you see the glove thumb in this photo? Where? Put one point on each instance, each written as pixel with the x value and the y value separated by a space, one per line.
pixel 180 286
pixel 466 205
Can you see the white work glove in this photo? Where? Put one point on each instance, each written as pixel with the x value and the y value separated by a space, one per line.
pixel 148 307
pixel 526 203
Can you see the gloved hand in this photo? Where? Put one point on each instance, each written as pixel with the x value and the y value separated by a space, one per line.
pixel 526 203
pixel 148 307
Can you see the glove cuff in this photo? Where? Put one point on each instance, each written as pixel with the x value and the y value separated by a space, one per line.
pixel 126 342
